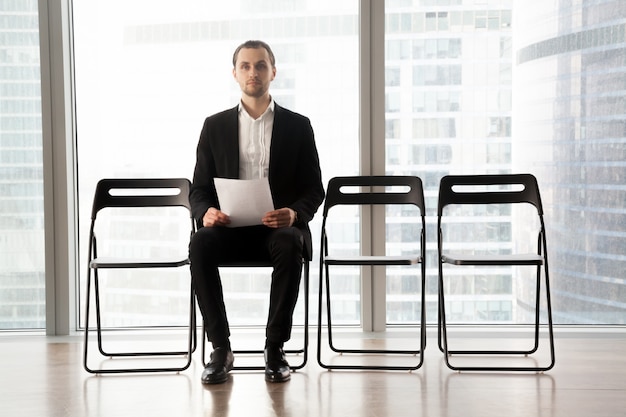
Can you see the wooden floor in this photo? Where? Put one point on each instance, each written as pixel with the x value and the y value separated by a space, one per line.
pixel 43 376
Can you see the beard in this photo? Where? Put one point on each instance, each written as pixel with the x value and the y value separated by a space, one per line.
pixel 255 90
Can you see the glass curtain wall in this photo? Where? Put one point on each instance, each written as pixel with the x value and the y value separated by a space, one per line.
pixel 145 83
pixel 570 130
pixel 448 110
pixel 22 275
pixel 472 86
pixel 493 86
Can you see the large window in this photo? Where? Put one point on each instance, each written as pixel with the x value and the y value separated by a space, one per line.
pixel 22 276
pixel 146 81
pixel 570 130
pixel 469 86
pixel 449 104
pixel 455 106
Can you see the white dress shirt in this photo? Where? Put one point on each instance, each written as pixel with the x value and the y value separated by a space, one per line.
pixel 255 138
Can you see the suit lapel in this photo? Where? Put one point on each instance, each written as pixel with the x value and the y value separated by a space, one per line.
pixel 231 144
pixel 277 148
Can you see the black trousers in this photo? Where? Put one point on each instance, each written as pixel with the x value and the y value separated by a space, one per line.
pixel 283 247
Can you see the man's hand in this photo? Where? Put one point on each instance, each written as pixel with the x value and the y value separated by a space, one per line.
pixel 283 217
pixel 213 217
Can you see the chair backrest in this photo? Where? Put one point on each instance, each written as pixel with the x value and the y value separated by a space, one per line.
pixel 141 192
pixel 336 195
pixel 476 189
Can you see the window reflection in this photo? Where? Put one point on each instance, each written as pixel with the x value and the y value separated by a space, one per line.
pixel 22 274
pixel 554 107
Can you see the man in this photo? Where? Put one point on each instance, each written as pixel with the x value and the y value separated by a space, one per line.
pixel 256 139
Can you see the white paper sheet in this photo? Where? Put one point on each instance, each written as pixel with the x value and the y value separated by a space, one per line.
pixel 245 201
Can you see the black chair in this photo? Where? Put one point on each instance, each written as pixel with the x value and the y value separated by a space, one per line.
pixel 143 196
pixel 513 191
pixel 301 351
pixel 370 191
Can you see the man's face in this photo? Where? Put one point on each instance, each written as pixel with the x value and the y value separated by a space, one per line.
pixel 254 71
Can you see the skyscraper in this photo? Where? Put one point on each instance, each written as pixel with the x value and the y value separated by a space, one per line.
pixel 22 278
pixel 570 127
pixel 448 67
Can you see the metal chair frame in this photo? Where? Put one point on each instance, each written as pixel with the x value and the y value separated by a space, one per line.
pixel 104 198
pixel 451 192
pixel 301 351
pixel 368 196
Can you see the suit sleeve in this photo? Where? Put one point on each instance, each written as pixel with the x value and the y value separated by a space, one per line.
pixel 295 174
pixel 311 189
pixel 202 195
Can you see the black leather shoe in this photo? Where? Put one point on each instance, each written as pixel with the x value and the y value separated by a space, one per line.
pixel 276 366
pixel 221 363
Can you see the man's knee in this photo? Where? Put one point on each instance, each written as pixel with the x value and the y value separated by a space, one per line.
pixel 204 243
pixel 288 240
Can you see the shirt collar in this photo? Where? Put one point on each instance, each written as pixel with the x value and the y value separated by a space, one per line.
pixel 270 108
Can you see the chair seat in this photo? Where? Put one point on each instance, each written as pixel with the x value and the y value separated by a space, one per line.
pixel 106 262
pixel 246 264
pixel 373 260
pixel 514 259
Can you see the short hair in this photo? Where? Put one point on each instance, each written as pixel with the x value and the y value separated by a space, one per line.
pixel 254 44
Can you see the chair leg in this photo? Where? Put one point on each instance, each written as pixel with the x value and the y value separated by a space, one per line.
pixel 326 279
pixel 191 342
pixel 303 350
pixel 86 341
pixel 443 337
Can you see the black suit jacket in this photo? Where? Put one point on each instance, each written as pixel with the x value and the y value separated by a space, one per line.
pixel 294 170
